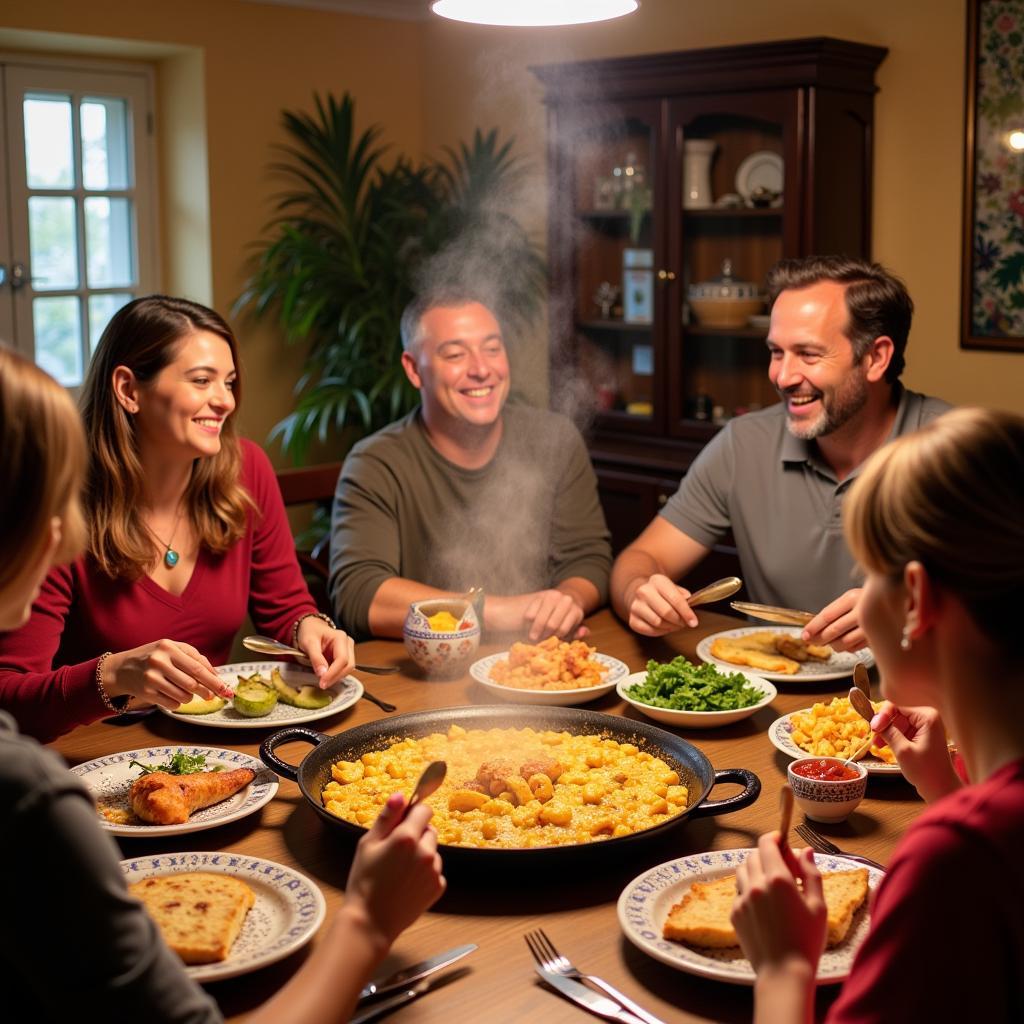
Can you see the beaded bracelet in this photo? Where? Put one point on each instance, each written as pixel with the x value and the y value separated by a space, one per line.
pixel 118 704
pixel 310 615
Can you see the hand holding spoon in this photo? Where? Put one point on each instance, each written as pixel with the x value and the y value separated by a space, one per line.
pixel 432 777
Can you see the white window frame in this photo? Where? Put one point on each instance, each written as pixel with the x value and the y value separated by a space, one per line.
pixel 78 78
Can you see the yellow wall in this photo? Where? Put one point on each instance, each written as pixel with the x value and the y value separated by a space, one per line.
pixel 476 75
pixel 257 59
pixel 430 83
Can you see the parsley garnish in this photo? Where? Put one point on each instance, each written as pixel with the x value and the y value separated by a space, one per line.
pixel 179 764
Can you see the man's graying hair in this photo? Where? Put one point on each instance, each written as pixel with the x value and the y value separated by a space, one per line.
pixel 877 302
pixel 436 298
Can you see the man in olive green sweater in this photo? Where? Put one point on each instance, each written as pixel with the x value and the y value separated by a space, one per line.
pixel 468 491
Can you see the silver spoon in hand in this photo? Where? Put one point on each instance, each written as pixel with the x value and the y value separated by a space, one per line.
pixel 717 591
pixel 432 777
pixel 267 645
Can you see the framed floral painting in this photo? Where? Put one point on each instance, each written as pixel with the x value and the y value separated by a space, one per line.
pixel 992 300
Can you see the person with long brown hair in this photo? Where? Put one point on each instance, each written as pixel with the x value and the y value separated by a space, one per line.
pixel 936 520
pixel 121 969
pixel 186 532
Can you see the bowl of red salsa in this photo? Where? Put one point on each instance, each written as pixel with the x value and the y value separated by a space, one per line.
pixel 827 788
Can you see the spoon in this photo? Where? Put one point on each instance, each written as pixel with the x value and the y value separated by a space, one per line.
pixel 860 679
pixel 432 777
pixel 862 705
pixel 717 591
pixel 267 645
pixel 785 812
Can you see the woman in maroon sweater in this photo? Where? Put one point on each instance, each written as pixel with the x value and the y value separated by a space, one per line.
pixel 187 531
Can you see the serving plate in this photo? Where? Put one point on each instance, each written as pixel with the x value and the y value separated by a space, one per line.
pixel 346 693
pixel 110 778
pixel 646 901
pixel 694 769
pixel 289 907
pixel 697 719
pixel 839 666
pixel 780 734
pixel 763 169
pixel 480 670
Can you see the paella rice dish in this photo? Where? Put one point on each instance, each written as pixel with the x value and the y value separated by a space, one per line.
pixel 516 788
pixel 552 664
pixel 834 730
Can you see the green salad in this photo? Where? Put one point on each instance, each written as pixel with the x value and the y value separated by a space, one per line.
pixel 680 685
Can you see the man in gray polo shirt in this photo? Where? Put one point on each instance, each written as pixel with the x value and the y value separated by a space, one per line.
pixel 777 477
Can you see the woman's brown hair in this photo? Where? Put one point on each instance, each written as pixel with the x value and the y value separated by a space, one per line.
pixel 145 336
pixel 41 469
pixel 950 496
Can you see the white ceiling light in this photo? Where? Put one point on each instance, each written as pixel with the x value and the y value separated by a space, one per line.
pixel 533 12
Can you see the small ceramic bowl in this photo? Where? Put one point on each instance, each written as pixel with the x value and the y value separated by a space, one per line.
pixel 436 653
pixel 827 800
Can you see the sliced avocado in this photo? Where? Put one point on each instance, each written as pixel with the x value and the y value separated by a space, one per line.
pixel 198 706
pixel 308 697
pixel 254 699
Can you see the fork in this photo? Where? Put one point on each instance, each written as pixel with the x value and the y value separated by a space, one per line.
pixel 551 960
pixel 818 842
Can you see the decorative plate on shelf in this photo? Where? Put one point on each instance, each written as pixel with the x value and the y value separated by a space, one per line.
pixel 346 693
pixel 760 170
pixel 289 907
pixel 645 904
pixel 839 665
pixel 110 778
pixel 480 670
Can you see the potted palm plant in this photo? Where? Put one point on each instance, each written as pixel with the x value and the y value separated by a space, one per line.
pixel 353 237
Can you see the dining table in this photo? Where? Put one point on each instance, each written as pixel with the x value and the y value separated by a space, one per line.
pixel 494 906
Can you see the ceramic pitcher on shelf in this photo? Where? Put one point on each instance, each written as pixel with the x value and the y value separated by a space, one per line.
pixel 697 155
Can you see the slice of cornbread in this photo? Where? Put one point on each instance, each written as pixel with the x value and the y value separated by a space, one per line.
pixel 701 917
pixel 199 914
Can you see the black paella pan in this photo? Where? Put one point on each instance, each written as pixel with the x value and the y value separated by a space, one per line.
pixel 694 769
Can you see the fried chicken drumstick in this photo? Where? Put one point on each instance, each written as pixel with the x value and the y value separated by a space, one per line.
pixel 163 799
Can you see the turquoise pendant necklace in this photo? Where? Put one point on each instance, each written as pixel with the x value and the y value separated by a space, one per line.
pixel 171 557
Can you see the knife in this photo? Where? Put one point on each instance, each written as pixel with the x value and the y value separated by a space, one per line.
pixel 768 612
pixel 582 996
pixel 374 1010
pixel 407 975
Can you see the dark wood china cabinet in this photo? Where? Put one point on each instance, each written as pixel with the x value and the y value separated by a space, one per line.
pixel 661 168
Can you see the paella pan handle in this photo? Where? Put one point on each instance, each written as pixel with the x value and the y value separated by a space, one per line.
pixel 751 791
pixel 289 735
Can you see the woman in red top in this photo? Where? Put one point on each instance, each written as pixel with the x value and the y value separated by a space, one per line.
pixel 936 519
pixel 187 532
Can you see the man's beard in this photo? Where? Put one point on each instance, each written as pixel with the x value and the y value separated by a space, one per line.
pixel 838 406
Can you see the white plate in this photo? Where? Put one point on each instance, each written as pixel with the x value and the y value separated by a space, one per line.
pixel 110 778
pixel 346 693
pixel 697 719
pixel 647 900
pixel 840 665
pixel 780 734
pixel 762 169
pixel 480 670
pixel 289 907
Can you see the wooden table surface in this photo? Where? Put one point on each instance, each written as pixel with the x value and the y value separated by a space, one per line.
pixel 494 909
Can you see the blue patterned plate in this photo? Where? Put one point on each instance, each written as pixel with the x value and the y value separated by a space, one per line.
pixel 110 778
pixel 289 907
pixel 780 732
pixel 647 900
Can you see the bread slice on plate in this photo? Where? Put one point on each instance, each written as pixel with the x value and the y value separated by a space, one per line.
pixel 701 917
pixel 199 914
